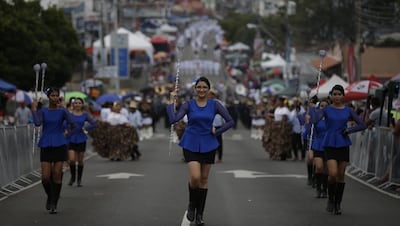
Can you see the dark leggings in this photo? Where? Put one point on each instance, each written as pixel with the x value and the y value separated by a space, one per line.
pixel 219 149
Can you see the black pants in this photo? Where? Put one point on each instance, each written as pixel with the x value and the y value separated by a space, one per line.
pixel 296 144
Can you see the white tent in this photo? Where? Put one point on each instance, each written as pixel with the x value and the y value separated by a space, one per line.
pixel 275 60
pixel 238 47
pixel 137 41
pixel 325 88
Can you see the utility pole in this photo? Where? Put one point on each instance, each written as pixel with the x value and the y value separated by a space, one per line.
pixel 116 47
pixel 357 9
pixel 101 34
pixel 287 43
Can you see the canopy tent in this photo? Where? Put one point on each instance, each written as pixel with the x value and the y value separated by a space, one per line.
pixel 137 41
pixel 238 46
pixel 7 87
pixel 274 60
pixel 325 88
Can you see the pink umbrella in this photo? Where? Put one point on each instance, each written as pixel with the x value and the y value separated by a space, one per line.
pixel 359 90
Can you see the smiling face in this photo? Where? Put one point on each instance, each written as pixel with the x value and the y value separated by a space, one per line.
pixel 202 89
pixel 77 104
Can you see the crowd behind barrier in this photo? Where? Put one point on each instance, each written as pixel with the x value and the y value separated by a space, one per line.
pixel 373 155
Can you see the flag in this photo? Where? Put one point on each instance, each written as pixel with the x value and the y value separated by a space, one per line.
pixel 350 64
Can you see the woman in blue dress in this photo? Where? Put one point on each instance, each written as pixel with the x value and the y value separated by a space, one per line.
pixel 77 140
pixel 336 145
pixel 199 142
pixel 53 145
pixel 318 155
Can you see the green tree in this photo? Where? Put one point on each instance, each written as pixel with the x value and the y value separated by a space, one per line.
pixel 29 35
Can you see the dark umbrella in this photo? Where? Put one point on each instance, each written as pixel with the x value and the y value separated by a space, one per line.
pixel 107 98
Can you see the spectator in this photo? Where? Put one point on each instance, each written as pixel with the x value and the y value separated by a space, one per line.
pixel 23 114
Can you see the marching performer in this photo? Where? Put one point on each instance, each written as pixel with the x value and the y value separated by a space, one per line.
pixel 53 145
pixel 199 142
pixel 336 144
pixel 77 140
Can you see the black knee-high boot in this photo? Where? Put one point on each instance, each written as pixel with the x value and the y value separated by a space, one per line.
pixel 324 193
pixel 201 198
pixel 331 197
pixel 47 189
pixel 56 189
pixel 309 173
pixel 318 181
pixel 191 211
pixel 338 197
pixel 72 169
pixel 80 171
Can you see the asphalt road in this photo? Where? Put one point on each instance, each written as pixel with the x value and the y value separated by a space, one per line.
pixel 245 189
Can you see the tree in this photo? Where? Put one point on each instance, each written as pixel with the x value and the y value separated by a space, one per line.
pixel 29 35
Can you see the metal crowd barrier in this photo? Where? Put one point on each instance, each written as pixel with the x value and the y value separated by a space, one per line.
pixel 17 156
pixel 375 156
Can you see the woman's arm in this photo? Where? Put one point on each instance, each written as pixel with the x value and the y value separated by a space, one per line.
pixel 229 123
pixel 176 116
pixel 91 121
pixel 360 124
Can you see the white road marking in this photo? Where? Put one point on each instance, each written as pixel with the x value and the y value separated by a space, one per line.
pixel 255 174
pixel 112 176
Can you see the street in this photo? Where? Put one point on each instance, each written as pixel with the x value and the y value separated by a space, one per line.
pixel 245 189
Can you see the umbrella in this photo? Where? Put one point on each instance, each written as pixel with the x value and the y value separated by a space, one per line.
pixel 76 94
pixel 109 97
pixel 395 78
pixel 359 90
pixel 238 47
pixel 129 96
pixel 158 40
pixel 22 96
pixel 276 71
pixel 273 86
pixel 235 72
